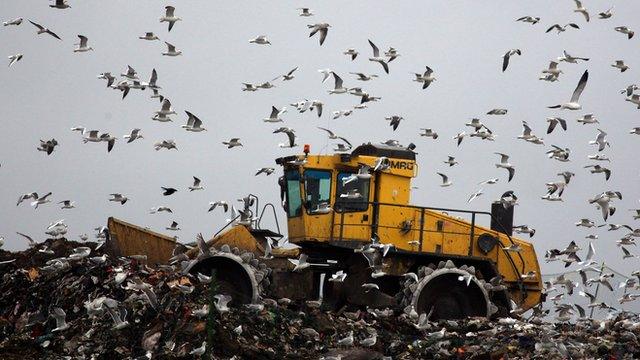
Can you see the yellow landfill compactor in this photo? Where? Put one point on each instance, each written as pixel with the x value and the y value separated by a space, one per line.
pixel 350 213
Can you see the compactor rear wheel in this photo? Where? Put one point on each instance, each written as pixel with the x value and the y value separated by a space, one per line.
pixel 447 292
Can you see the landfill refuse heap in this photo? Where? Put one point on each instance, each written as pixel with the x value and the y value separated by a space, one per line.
pixel 117 308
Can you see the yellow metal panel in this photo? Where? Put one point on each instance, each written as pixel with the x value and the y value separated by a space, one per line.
pixel 128 239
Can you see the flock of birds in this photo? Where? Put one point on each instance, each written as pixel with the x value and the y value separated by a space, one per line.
pixel 604 201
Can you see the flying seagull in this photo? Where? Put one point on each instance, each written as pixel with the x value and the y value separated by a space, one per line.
pixel 504 164
pixel 196 185
pixel 260 40
pixel 290 135
pixel 60 4
pixel 497 112
pixel 232 143
pixel 194 124
pixel 116 197
pixel 44 30
pixel 275 115
pixel 426 79
pixel 47 146
pixel 601 140
pixel 352 53
pixel 475 195
pixel 554 121
pixel 619 64
pixel 267 171
pixel 376 57
pixel 171 50
pixel 529 19
pixel 287 76
pixel 169 16
pixel 222 204
pixel 149 36
pixel 166 144
pixel 625 30
pixel 562 28
pixel 166 191
pixel 323 28
pixel 507 56
pixel 306 12
pixel 606 14
pixel 445 180
pixel 135 134
pixel 82 46
pixel 566 57
pixel 581 9
pixel 573 104
pixel 15 22
pixel 338 87
pixel 14 59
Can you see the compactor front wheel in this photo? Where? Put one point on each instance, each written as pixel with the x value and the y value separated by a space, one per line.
pixel 235 273
pixel 448 292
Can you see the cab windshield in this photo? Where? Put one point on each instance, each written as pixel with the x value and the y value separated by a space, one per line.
pixel 317 185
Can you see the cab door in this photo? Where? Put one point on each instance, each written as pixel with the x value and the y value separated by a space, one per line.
pixel 353 213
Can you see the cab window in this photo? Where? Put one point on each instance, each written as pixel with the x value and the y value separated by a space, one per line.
pixel 294 198
pixel 353 195
pixel 317 185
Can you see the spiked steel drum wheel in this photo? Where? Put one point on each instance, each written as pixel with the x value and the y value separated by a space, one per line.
pixel 448 292
pixel 238 274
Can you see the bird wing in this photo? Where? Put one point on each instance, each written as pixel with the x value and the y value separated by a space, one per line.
pixel 345 140
pixel 552 125
pixel 83 40
pixel 505 60
pixel 323 35
pixel 154 77
pixel 581 85
pixel 169 11
pixel 590 253
pixel 503 157
pixel 563 123
pixel 331 134
pixel 553 65
pixel 555 26
pixel 428 72
pixel 291 72
pixel 37 25
pixel 512 172
pixel 385 66
pixel 445 178
pixel 292 138
pixel 196 181
pixel 376 51
pixel 53 34
pixel 31 242
pixel 171 48
pixel 166 105
pixel 338 80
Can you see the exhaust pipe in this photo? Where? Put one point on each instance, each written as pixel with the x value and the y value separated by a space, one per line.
pixel 501 218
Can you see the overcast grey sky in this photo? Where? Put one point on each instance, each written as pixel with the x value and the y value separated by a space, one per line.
pixel 53 89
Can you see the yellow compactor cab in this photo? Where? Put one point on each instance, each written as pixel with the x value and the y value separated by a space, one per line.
pixel 351 213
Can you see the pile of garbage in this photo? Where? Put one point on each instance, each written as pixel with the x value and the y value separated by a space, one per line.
pixel 62 299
